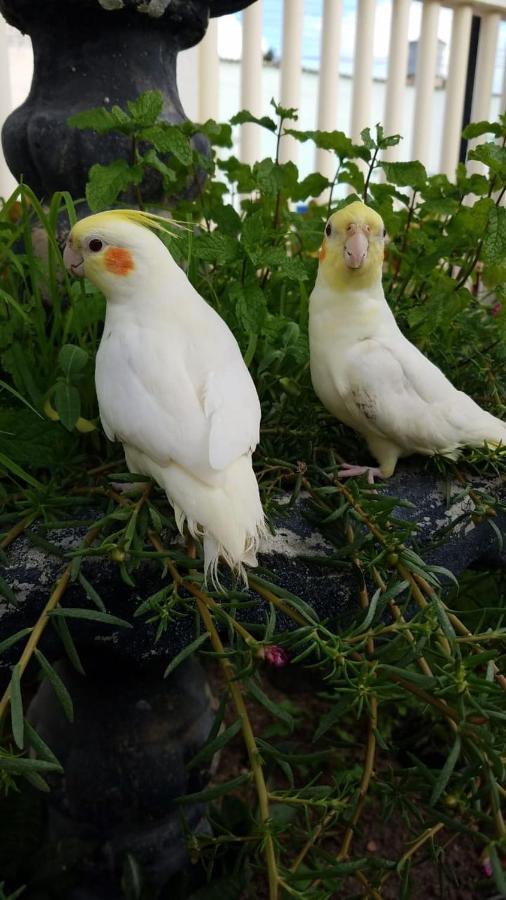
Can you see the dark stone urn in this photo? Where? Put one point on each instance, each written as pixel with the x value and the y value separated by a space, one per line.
pixel 91 53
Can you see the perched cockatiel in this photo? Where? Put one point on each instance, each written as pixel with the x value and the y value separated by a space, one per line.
pixel 366 372
pixel 172 385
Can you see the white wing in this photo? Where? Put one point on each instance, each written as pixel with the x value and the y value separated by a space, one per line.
pixel 189 400
pixel 397 393
pixel 233 409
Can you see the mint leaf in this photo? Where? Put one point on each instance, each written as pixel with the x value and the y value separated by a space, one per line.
pixel 102 120
pixel 405 174
pixel 327 140
pixel 169 139
pixel 244 116
pixel 72 359
pixel 250 307
pixel 67 403
pixel 475 129
pixel 106 183
pixel 494 242
pixel 145 110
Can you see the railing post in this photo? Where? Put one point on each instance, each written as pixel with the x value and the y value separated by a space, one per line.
pixel 455 89
pixel 7 182
pixel 397 72
pixel 328 81
pixel 362 68
pixel 251 80
pixel 209 73
pixel 482 93
pixel 425 80
pixel 293 18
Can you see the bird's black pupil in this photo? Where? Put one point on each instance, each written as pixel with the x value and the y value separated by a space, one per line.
pixel 95 245
pixel 328 229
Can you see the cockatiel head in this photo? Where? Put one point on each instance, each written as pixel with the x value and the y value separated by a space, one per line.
pixel 351 254
pixel 116 249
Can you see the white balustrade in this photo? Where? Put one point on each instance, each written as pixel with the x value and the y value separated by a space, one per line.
pixel 293 20
pixel 425 82
pixel 363 68
pixel 455 89
pixel 328 82
pixel 483 80
pixel 201 93
pixel 209 67
pixel 397 71
pixel 251 79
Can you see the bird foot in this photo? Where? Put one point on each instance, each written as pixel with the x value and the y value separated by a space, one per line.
pixel 123 487
pixel 347 471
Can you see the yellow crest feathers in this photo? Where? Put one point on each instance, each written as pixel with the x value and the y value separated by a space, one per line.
pixel 135 216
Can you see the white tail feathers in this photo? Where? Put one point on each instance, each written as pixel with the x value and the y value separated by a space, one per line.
pixel 228 517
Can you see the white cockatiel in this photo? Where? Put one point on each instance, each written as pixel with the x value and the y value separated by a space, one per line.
pixel 172 385
pixel 366 372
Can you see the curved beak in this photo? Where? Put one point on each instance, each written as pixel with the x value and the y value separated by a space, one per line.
pixel 356 249
pixel 73 261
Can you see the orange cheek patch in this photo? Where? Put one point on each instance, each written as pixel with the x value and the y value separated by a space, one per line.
pixel 119 261
pixel 322 253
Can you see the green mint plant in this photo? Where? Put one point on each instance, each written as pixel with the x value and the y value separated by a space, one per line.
pixel 316 774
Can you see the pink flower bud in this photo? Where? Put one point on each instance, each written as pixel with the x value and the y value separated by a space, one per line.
pixel 496 308
pixel 486 866
pixel 276 656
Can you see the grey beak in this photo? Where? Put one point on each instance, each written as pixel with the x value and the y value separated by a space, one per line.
pixel 73 261
pixel 356 249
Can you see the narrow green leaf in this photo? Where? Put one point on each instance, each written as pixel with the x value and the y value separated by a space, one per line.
pixel 63 631
pixel 212 747
pixel 19 765
pixel 7 592
pixel 17 717
pixel 218 791
pixel 91 593
pixel 185 652
pixel 131 878
pixel 37 781
pixel 13 467
pixel 257 693
pixel 13 639
pixel 446 772
pixel 444 621
pixel 94 616
pixel 57 685
pixel 41 748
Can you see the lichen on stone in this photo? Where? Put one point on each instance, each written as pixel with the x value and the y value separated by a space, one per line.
pixel 111 4
pixel 154 8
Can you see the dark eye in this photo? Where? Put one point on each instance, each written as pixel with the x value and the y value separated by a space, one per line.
pixel 328 230
pixel 384 232
pixel 95 245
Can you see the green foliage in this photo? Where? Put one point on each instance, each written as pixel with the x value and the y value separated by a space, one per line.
pixel 416 645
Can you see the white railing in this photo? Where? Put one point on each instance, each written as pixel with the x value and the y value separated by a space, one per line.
pixel 423 132
pixel 201 95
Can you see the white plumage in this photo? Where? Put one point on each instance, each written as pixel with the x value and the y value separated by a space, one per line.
pixel 172 386
pixel 363 368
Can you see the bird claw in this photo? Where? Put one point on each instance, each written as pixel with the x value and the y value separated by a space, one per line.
pixel 348 471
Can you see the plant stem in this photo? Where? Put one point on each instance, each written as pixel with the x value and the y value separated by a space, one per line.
pixel 16 530
pixel 365 781
pixel 38 628
pixel 203 601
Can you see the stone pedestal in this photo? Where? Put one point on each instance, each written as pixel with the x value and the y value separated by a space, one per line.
pixel 124 760
pixel 91 53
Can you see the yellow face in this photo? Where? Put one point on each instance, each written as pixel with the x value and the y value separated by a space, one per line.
pixel 351 254
pixel 96 249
